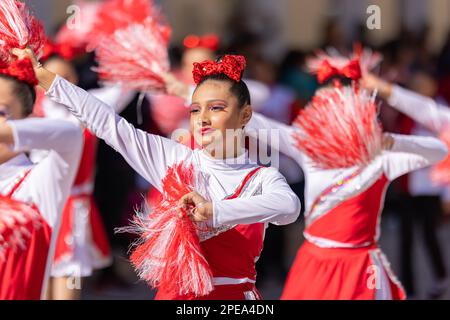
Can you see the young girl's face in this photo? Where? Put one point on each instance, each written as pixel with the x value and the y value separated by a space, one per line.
pixel 216 118
pixel 10 109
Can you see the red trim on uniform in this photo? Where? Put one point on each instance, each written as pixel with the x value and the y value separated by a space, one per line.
pixel 18 184
pixel 243 183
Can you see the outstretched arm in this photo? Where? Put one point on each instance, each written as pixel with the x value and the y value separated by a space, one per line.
pixel 149 155
pixel 276 134
pixel 423 110
pixel 115 96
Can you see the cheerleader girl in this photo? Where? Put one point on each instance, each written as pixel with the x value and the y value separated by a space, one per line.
pixel 234 195
pixel 32 195
pixel 340 258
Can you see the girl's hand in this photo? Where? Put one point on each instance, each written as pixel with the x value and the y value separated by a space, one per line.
pixel 175 87
pixel 26 53
pixel 44 76
pixel 388 141
pixel 372 82
pixel 201 209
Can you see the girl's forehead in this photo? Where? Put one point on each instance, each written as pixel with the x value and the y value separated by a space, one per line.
pixel 211 89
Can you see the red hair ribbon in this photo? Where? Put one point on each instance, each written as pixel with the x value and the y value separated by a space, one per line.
pixel 21 70
pixel 63 49
pixel 208 41
pixel 230 65
pixel 351 70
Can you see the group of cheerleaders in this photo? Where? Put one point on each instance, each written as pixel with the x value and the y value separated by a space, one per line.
pixel 201 239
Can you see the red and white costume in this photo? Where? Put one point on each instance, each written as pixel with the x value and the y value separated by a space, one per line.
pixel 340 258
pixel 239 222
pixel 44 188
pixel 82 244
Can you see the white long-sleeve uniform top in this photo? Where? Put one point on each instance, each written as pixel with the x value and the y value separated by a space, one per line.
pixel 48 184
pixel 268 198
pixel 114 96
pixel 431 118
pixel 407 154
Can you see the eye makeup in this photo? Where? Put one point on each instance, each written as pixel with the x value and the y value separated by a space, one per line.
pixel 4 111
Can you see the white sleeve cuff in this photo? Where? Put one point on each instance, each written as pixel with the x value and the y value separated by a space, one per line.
pixel 19 141
pixel 50 90
pixel 215 217
pixel 396 94
pixel 399 144
pixel 188 102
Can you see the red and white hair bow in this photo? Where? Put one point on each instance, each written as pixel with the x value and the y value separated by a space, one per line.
pixel 230 65
pixel 326 66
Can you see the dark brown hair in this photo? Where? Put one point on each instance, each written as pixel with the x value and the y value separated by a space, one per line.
pixel 24 92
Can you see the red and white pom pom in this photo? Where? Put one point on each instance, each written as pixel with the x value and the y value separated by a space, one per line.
pixel 168 253
pixel 18 29
pixel 78 31
pixel 314 63
pixel 339 129
pixel 17 223
pixel 440 174
pixel 135 57
pixel 119 14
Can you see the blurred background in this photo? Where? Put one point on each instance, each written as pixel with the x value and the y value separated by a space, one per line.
pixel 276 37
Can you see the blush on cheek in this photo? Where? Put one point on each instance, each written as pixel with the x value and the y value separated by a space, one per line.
pixel 225 121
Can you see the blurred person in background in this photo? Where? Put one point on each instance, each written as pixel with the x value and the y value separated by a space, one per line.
pixel 82 244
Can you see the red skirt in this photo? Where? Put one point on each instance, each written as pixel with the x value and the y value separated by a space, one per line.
pixel 22 272
pixel 244 291
pixel 336 274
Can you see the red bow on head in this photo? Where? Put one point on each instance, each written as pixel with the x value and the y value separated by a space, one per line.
pixel 230 65
pixel 22 70
pixel 208 41
pixel 64 50
pixel 352 71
